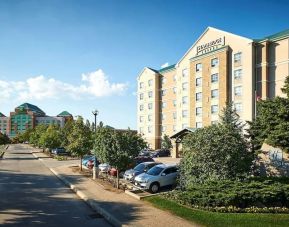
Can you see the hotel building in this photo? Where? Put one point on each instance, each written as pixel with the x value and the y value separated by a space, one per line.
pixel 28 116
pixel 218 67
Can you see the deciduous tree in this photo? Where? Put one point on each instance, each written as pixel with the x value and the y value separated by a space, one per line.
pixel 79 140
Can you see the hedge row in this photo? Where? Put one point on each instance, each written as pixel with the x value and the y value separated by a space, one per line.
pixel 255 195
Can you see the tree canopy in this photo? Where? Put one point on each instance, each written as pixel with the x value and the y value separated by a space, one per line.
pixel 4 139
pixel 117 148
pixel 79 140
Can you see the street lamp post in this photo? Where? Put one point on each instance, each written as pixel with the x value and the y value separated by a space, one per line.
pixel 95 113
pixel 95 169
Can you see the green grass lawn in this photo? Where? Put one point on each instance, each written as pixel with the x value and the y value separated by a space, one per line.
pixel 207 218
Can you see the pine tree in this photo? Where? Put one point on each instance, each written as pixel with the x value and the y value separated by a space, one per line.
pixel 230 118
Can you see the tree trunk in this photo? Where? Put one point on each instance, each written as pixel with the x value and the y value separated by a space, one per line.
pixel 117 179
pixel 80 162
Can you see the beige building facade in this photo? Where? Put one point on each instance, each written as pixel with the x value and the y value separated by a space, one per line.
pixel 218 67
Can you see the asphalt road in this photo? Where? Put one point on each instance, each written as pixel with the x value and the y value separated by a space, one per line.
pixel 30 195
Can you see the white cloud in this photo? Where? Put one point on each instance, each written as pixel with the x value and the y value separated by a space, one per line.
pixel 165 65
pixel 93 84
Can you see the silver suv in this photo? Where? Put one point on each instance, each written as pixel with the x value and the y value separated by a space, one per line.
pixel 157 177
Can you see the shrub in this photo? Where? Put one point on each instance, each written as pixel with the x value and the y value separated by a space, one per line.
pixel 253 195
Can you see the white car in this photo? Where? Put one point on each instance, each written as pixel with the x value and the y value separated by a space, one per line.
pixel 157 177
pixel 104 167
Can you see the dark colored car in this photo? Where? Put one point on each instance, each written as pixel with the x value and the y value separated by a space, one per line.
pixel 161 153
pixel 145 152
pixel 141 159
pixel 59 151
pixel 140 168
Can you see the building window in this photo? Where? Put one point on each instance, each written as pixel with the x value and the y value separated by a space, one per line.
pixel 199 111
pixel 150 117
pixel 174 115
pixel 185 86
pixel 185 72
pixel 199 82
pixel 185 113
pixel 150 106
pixel 175 90
pixel 175 103
pixel 214 78
pixel 199 96
pixel 238 74
pixel 174 128
pixel 150 94
pixel 214 122
pixel 214 62
pixel 141 107
pixel 198 67
pixel 141 96
pixel 185 100
pixel 163 80
pixel 238 57
pixel 175 77
pixel 238 107
pixel 184 126
pixel 214 93
pixel 163 92
pixel 150 83
pixel 141 130
pixel 164 104
pixel 149 129
pixel 238 91
pixel 163 128
pixel 163 116
pixel 214 109
pixel 141 85
pixel 141 119
pixel 199 124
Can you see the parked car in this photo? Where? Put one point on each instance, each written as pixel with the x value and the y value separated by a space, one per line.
pixel 145 152
pixel 59 151
pixel 140 168
pixel 104 167
pixel 157 177
pixel 161 153
pixel 86 158
pixel 91 162
pixel 141 159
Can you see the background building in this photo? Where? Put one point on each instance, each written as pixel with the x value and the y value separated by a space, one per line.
pixel 28 116
pixel 219 67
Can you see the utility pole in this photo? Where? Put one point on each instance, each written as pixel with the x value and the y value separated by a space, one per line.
pixel 95 169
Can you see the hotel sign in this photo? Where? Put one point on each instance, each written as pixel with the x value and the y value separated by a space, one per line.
pixel 210 46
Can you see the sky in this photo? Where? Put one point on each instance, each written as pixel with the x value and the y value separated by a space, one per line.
pixel 82 55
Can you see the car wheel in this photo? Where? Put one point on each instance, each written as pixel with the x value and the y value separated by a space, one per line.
pixel 154 187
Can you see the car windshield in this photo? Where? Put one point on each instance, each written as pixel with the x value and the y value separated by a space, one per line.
pixel 139 167
pixel 155 171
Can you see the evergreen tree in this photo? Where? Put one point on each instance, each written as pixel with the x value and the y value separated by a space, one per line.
pixel 166 142
pixel 230 118
pixel 216 152
pixel 271 124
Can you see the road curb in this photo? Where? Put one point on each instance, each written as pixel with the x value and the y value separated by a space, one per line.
pixel 111 219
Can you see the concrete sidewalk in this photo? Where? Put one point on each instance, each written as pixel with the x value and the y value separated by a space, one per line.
pixel 117 207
